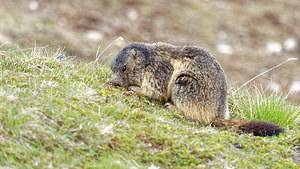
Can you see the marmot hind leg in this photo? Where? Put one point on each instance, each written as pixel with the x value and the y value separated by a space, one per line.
pixel 189 100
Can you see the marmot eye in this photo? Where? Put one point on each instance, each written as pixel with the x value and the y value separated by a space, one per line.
pixel 124 68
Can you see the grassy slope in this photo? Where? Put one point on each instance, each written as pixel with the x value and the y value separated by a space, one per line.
pixel 54 113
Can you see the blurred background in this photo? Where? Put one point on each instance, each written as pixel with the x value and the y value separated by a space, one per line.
pixel 247 37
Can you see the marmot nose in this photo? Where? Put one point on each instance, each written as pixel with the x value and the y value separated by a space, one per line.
pixel 116 80
pixel 115 84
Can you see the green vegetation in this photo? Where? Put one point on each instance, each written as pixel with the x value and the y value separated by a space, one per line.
pixel 55 113
pixel 257 105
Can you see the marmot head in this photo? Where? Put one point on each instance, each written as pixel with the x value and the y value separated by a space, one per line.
pixel 129 65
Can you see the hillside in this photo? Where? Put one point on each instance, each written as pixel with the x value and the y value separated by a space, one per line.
pixel 247 36
pixel 56 113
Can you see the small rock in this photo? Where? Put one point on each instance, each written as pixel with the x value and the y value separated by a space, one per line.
pixel 93 35
pixel 33 5
pixel 273 47
pixel 224 48
pixel 132 14
pixel 291 44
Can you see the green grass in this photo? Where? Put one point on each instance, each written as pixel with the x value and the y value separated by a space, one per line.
pixel 257 104
pixel 55 113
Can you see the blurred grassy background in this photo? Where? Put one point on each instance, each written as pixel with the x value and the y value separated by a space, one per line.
pixel 246 36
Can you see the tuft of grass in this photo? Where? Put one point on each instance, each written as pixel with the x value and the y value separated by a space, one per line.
pixel 58 114
pixel 256 104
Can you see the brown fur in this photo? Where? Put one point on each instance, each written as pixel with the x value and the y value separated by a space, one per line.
pixel 188 78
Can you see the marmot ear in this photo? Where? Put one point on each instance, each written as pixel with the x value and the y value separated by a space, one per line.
pixel 133 53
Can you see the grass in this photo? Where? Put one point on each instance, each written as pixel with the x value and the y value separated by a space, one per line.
pixel 58 114
pixel 257 104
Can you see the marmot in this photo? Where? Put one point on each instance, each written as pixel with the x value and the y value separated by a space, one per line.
pixel 188 78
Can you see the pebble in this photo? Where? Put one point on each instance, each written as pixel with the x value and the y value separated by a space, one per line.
pixel 132 14
pixel 290 45
pixel 33 5
pixel 93 35
pixel 273 47
pixel 224 48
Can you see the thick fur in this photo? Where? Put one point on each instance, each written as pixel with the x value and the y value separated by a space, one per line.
pixel 257 128
pixel 260 128
pixel 187 77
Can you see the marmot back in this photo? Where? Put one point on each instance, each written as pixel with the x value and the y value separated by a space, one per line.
pixel 188 78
